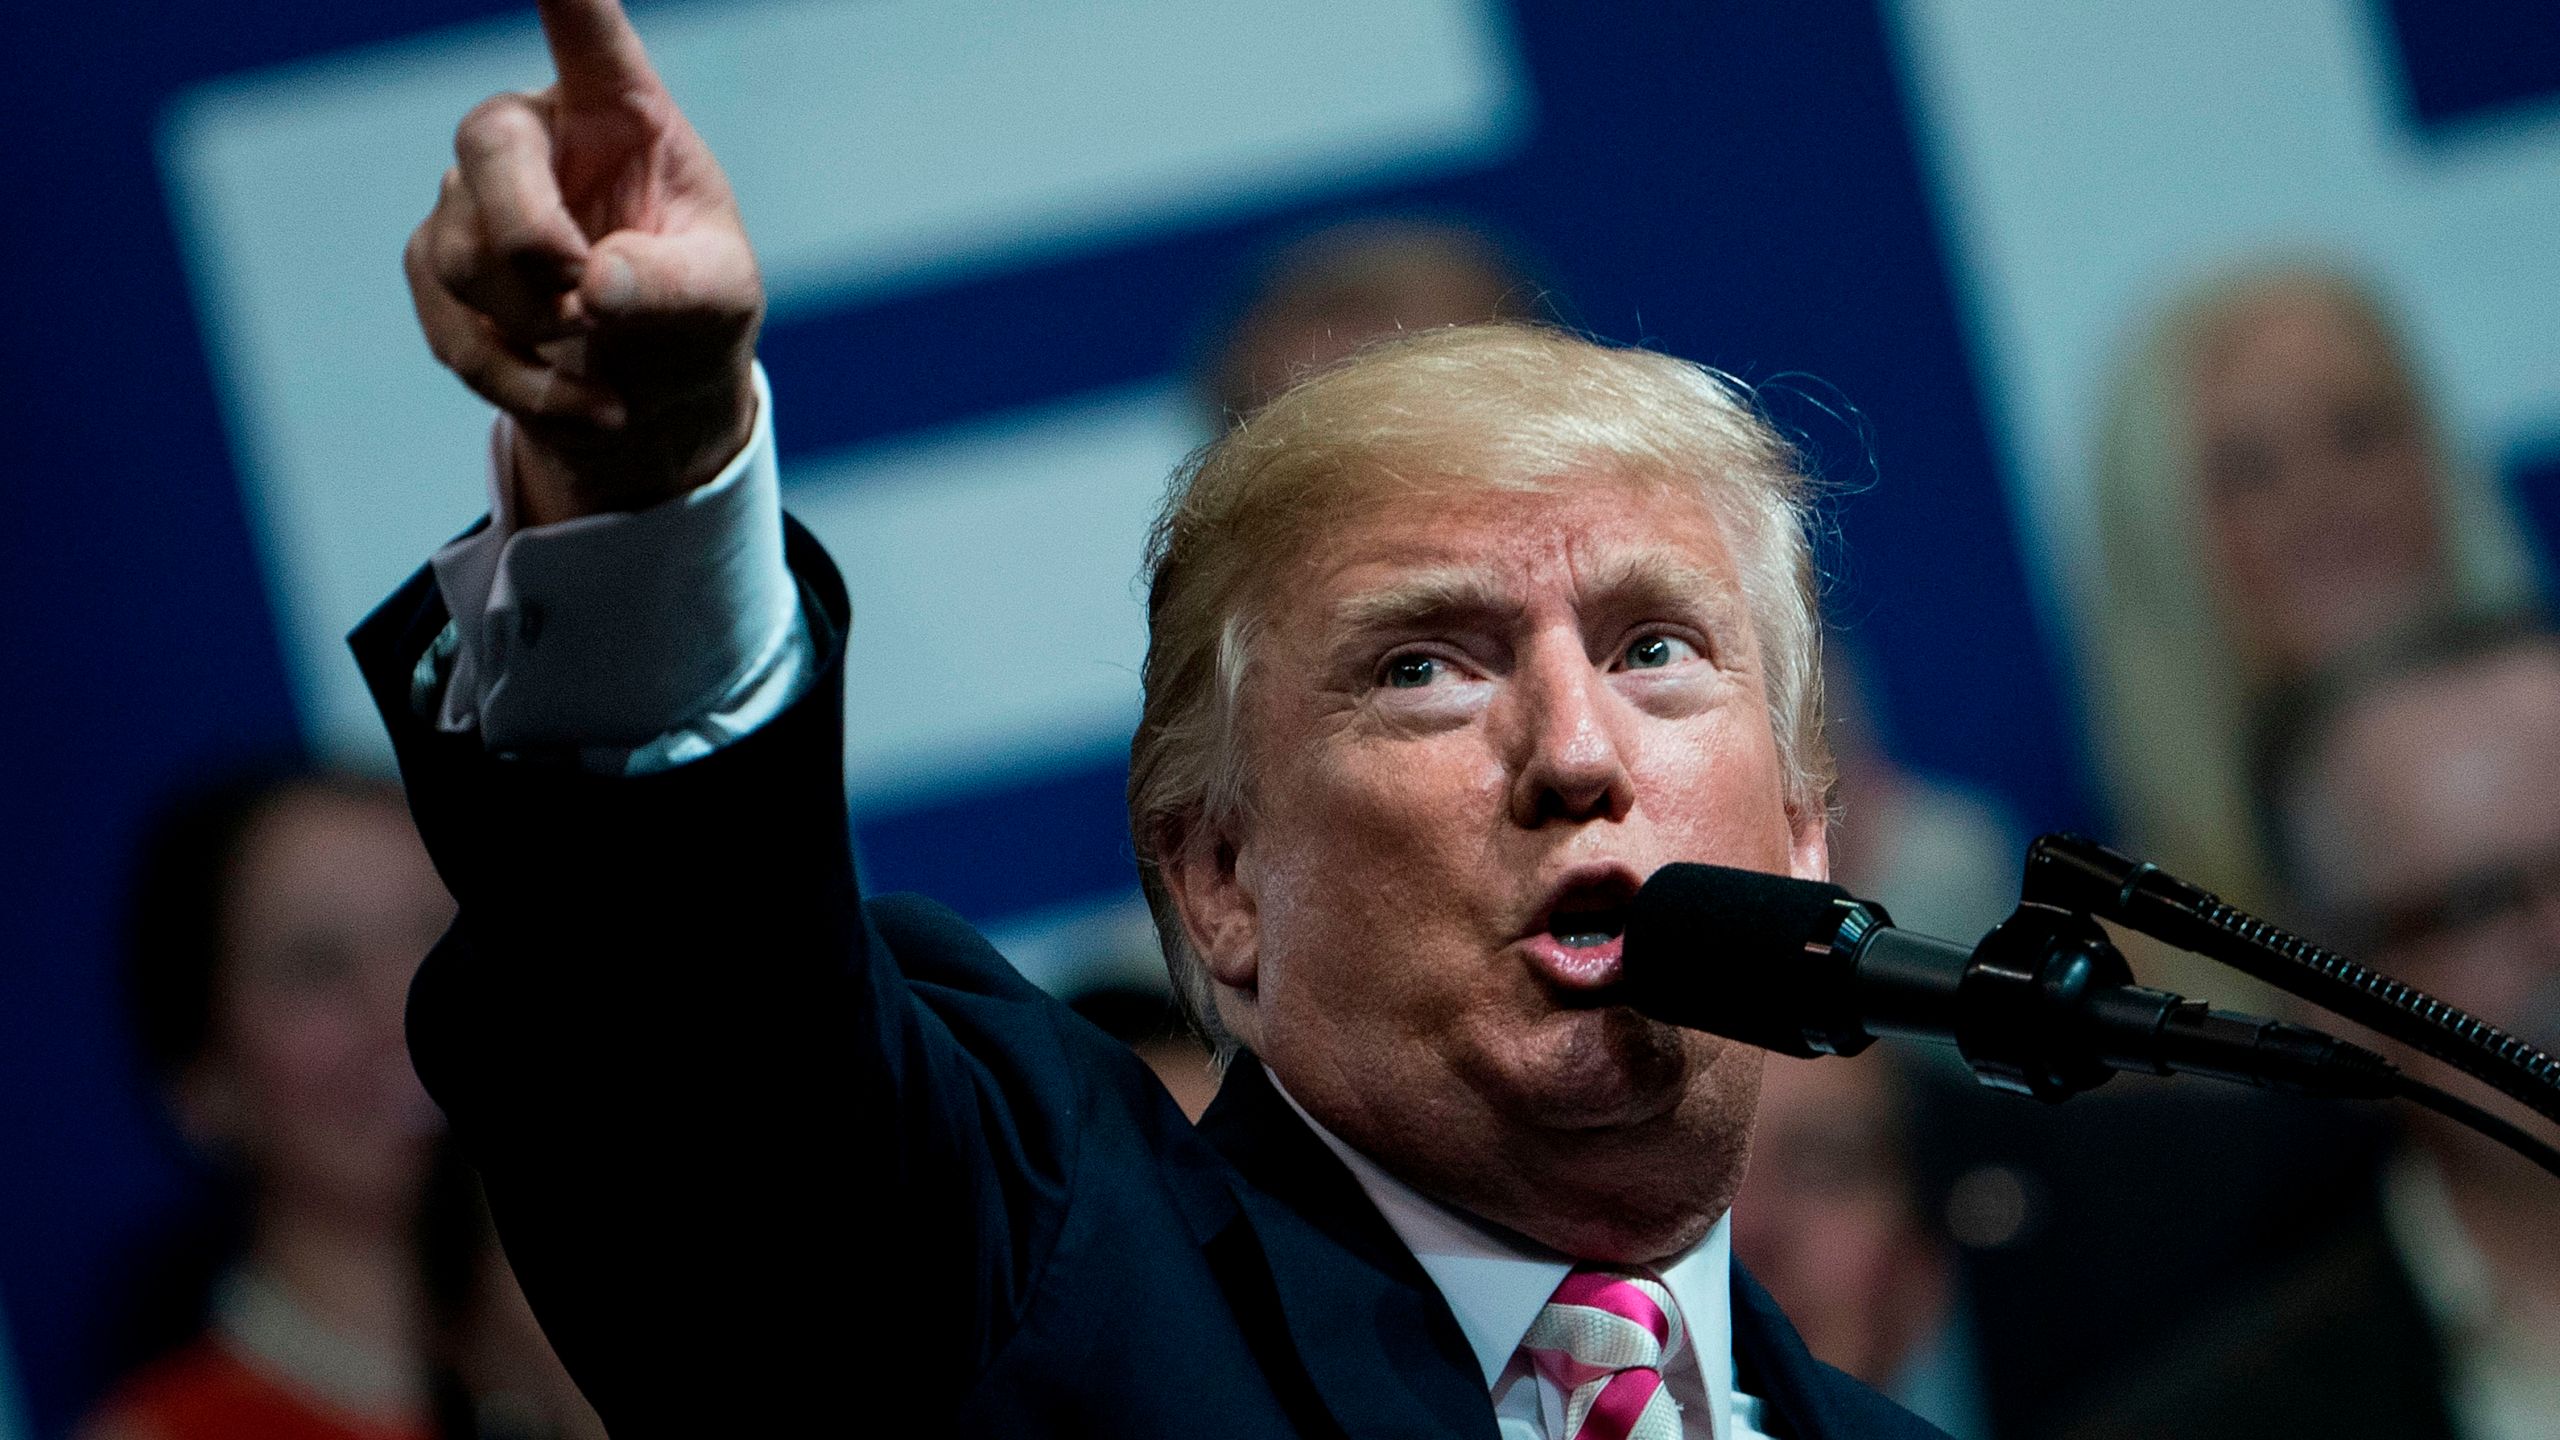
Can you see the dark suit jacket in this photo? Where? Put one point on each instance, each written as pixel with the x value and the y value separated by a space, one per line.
pixel 765 1154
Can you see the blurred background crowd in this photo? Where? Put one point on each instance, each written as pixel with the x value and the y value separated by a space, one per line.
pixel 2184 380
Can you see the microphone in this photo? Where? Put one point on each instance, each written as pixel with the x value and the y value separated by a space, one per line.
pixel 2043 1005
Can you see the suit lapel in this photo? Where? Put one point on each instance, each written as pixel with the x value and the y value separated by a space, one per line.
pixel 1770 1361
pixel 1380 1349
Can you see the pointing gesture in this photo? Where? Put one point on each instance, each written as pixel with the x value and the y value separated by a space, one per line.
pixel 585 270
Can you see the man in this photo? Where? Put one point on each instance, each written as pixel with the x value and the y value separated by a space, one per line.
pixel 1449 649
pixel 2417 796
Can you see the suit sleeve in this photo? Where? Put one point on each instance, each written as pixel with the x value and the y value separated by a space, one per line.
pixel 735 1149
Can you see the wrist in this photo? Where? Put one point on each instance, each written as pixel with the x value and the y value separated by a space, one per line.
pixel 670 444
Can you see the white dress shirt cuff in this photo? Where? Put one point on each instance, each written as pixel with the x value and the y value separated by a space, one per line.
pixel 629 641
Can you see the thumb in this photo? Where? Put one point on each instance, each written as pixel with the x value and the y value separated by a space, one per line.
pixel 703 274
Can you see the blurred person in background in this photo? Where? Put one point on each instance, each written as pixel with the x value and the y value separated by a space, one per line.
pixel 2273 483
pixel 2414 801
pixel 1328 293
pixel 1833 1219
pixel 276 919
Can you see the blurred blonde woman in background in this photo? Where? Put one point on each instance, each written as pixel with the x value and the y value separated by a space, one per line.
pixel 2273 485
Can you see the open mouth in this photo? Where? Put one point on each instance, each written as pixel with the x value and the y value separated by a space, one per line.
pixel 1590 908
pixel 1580 939
pixel 1588 928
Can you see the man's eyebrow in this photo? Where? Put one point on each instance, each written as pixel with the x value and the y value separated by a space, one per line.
pixel 1649 580
pixel 1423 595
pixel 1653 579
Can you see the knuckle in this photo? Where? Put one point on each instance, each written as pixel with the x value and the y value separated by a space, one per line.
pixel 491 126
pixel 471 136
pixel 456 258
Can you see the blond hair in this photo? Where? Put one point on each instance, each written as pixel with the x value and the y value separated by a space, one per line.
pixel 1501 406
pixel 2171 695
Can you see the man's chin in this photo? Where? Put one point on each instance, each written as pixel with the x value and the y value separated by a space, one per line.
pixel 1604 1069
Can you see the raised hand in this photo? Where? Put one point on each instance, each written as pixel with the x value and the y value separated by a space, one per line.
pixel 585 270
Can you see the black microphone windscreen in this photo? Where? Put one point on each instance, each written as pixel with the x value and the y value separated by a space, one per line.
pixel 1723 950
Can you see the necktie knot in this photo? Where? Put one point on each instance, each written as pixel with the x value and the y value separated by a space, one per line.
pixel 1603 1339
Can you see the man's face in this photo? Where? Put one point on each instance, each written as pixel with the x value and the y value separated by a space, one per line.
pixel 2446 798
pixel 1478 721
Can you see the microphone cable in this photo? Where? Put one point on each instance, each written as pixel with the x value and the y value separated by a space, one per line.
pixel 2496 1127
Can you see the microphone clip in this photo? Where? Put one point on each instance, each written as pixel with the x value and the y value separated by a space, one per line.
pixel 2045 990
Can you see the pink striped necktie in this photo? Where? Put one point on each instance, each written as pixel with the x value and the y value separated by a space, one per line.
pixel 1604 1339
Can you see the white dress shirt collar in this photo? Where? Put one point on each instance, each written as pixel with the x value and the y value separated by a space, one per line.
pixel 1496 1282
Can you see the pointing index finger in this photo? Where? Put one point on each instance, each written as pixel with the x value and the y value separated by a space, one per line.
pixel 595 50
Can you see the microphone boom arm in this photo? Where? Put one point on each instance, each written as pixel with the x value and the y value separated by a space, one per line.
pixel 2072 873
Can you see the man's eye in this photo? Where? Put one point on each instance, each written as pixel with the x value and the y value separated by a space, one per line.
pixel 1412 672
pixel 1655 651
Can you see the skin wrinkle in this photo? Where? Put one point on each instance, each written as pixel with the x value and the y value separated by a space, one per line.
pixel 1364 920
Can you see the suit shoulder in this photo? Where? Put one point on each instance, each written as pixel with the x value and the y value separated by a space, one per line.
pixel 935 946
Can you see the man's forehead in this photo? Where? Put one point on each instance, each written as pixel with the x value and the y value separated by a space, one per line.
pixel 1596 536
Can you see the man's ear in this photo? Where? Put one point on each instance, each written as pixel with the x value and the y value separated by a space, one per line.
pixel 1219 912
pixel 1809 853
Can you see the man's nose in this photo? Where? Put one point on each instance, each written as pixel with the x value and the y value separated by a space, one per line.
pixel 1571 748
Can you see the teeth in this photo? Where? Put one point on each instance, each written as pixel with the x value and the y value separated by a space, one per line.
pixel 1586 928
